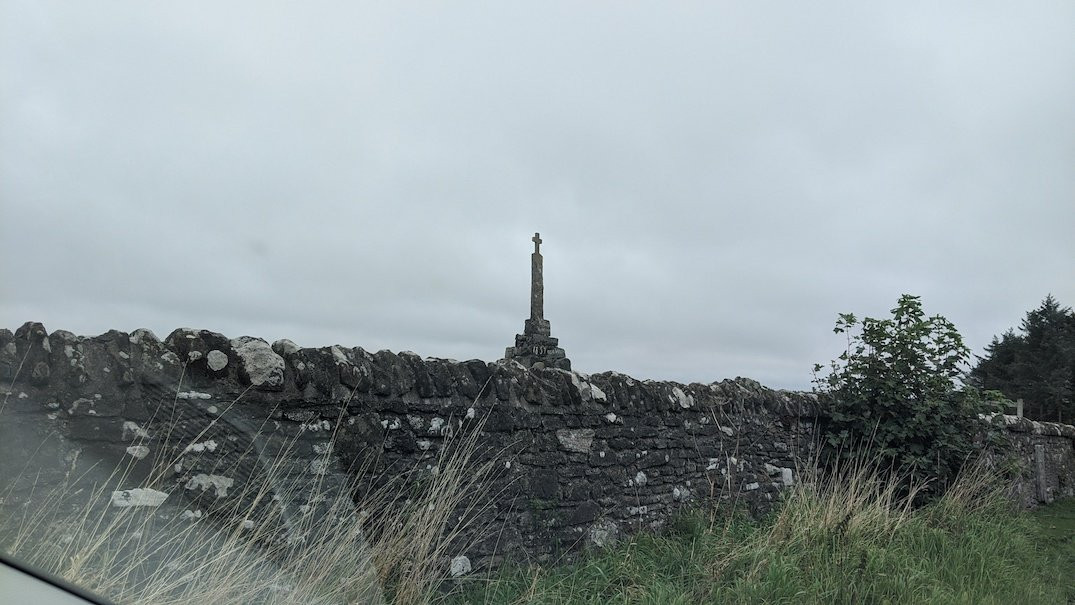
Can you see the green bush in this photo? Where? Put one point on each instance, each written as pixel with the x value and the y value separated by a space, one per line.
pixel 893 395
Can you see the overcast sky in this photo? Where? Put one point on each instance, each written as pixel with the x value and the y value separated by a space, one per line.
pixel 713 182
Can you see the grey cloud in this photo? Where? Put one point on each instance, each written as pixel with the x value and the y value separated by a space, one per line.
pixel 714 183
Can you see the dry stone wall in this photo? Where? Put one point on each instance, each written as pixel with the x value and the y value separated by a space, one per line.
pixel 579 460
pixel 1045 455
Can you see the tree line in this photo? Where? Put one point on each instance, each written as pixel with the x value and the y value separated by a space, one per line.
pixel 1035 364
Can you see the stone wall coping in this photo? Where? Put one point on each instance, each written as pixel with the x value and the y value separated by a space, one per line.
pixel 1017 424
pixel 287 369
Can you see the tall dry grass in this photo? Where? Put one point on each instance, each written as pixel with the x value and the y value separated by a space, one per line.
pixel 278 540
pixel 849 536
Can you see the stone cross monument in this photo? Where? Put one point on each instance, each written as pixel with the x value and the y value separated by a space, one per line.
pixel 535 347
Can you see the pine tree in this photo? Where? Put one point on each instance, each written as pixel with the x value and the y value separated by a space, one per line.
pixel 1036 365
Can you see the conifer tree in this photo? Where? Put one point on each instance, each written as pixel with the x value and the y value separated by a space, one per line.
pixel 1036 365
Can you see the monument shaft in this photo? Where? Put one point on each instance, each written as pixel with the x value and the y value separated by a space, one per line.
pixel 537 286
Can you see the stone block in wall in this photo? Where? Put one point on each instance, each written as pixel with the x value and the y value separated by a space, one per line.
pixel 90 428
pixel 258 365
pixel 552 422
pixel 156 367
pixel 67 358
pixel 440 375
pixel 482 373
pixel 584 512
pixel 463 382
pixel 207 356
pixel 544 484
pixel 117 346
pixel 397 373
pixel 499 418
pixel 32 350
pixel 9 356
pixel 577 490
pixel 600 457
pixel 357 376
pixel 501 382
pixel 424 385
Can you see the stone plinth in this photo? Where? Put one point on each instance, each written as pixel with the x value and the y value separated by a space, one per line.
pixel 538 351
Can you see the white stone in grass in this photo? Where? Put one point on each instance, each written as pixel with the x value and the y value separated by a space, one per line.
pixel 604 533
pixel 787 477
pixel 141 496
pixel 460 566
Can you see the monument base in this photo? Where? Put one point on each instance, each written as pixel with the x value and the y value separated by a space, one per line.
pixel 538 350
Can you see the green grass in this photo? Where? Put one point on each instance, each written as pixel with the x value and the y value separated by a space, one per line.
pixel 1057 525
pixel 851 540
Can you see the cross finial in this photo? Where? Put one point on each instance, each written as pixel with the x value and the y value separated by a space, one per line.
pixel 537 243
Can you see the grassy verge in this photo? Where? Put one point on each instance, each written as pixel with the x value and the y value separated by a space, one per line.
pixel 846 540
pixel 1057 525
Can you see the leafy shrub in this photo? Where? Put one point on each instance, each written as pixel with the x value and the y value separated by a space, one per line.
pixel 893 395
